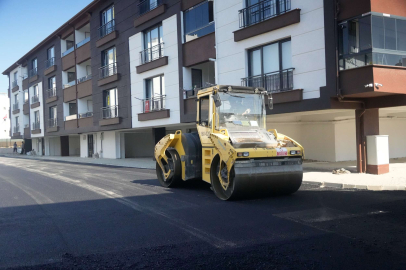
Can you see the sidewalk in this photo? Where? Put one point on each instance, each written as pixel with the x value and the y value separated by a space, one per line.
pixel 314 172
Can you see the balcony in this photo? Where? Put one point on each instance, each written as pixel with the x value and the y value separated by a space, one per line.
pixel 51 95
pixel 14 86
pixel 107 33
pixel 50 66
pixel 69 91
pixel 83 51
pixel 26 107
pixel 68 51
pixel 148 10
pixel 86 119
pixel 33 75
pixel 109 116
pixel 27 131
pixel 68 59
pixel 84 86
pixel 52 125
pixel 25 81
pixel 279 83
pixel 265 16
pixel 36 127
pixel 83 42
pixel 204 45
pixel 69 84
pixel 35 101
pixel 71 122
pixel 153 108
pixel 16 108
pixel 16 131
pixel 152 58
pixel 107 74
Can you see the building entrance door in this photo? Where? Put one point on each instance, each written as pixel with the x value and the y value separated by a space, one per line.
pixel 90 145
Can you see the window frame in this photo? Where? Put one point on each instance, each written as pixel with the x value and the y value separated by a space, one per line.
pixel 103 56
pixel 54 83
pixel 198 28
pixel 53 52
pixel 32 63
pixel 160 86
pixel 115 97
pixel 55 109
pixel 104 11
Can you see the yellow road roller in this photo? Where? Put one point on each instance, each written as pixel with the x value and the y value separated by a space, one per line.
pixel 233 150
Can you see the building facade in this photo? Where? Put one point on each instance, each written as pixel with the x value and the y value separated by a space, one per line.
pixel 5 116
pixel 120 74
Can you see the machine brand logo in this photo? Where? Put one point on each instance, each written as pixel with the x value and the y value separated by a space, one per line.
pixel 281 151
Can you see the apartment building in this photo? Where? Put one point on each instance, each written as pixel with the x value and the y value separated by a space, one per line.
pixel 119 75
pixel 5 116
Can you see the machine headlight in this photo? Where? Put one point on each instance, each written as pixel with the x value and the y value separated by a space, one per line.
pixel 295 152
pixel 243 154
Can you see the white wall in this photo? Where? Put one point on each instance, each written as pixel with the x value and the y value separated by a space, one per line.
pixel 109 147
pixel 396 129
pixel 308 54
pixel 74 146
pixel 53 146
pixel 37 145
pixel 81 69
pixel 84 106
pixel 4 112
pixel 170 72
pixel 40 109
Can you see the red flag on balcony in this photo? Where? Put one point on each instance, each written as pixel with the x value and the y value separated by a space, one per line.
pixel 5 117
pixel 146 109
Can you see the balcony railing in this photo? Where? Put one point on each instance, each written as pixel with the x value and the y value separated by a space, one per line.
pixel 148 5
pixel 109 112
pixel 16 129
pixel 34 99
pixel 25 76
pixel 13 84
pixel 51 92
pixel 69 84
pixel 52 122
pixel 83 42
pixel 273 82
pixel 85 78
pixel 262 11
pixel 26 125
pixel 68 51
pixel 33 72
pixel 85 115
pixel 15 106
pixel 202 31
pixel 36 125
pixel 50 62
pixel 107 28
pixel 71 117
pixel 152 53
pixel 108 70
pixel 153 104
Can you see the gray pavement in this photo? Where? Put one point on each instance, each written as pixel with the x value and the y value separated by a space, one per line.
pixel 71 216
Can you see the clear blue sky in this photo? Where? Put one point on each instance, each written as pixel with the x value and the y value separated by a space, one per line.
pixel 25 23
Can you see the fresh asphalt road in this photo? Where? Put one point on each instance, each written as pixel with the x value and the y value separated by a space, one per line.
pixel 71 216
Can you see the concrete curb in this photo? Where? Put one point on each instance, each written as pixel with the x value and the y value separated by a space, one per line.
pixel 81 163
pixel 359 187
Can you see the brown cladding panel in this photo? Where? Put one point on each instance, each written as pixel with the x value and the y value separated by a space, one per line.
pixel 353 81
pixel 393 7
pixel 82 21
pixel 35 105
pixel 378 169
pixel 86 122
pixel 71 124
pixel 186 4
pixel 16 111
pixel 33 79
pixel 51 99
pixel 50 70
pixel 52 129
pixel 68 61
pixel 154 115
pixel 84 89
pixel 271 24
pixel 149 15
pixel 199 50
pixel 107 80
pixel 36 131
pixel 27 133
pixel 190 108
pixel 351 8
pixel 66 33
pixel 151 65
pixel 83 53
pixel 69 94
pixel 15 89
pixel 288 96
pixel 111 121
pixel 25 84
pixel 113 35
pixel 26 108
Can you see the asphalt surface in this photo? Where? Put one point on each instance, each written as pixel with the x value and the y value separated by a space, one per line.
pixel 68 216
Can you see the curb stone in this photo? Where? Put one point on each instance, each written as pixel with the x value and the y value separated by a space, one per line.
pixel 360 187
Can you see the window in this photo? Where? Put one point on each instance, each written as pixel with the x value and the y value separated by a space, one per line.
pixel 25 96
pixel 69 44
pixel 52 112
pixel 204 109
pixel 52 82
pixel 34 63
pixel 109 66
pixel 15 99
pixel 36 117
pixel 155 94
pixel 197 78
pixel 17 121
pixel 35 92
pixel 153 44
pixel 15 76
pixel 198 21
pixel 51 53
pixel 71 77
pixel 259 10
pixel 107 21
pixel 372 39
pixel 72 108
pixel 147 5
pixel 110 98
pixel 270 66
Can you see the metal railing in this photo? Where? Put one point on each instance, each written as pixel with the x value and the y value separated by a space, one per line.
pixel 25 76
pixel 15 106
pixel 35 99
pixel 68 51
pixel 36 125
pixel 16 129
pixel 155 103
pixel 51 92
pixel 83 42
pixel 71 117
pixel 109 112
pixel 13 84
pixel 26 125
pixel 52 122
pixel 273 82
pixel 33 72
pixel 151 54
pixel 85 78
pixel 108 70
pixel 262 11
pixel 202 31
pixel 50 62
pixel 107 28
pixel 69 84
pixel 86 114
pixel 148 5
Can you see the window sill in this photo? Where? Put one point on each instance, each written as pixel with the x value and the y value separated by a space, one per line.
pixel 153 115
pixel 107 38
pixel 160 62
pixel 288 96
pixel 108 79
pixel 149 15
